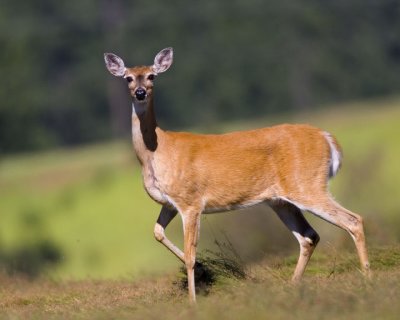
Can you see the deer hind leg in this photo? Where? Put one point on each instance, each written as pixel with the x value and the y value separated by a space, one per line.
pixel 329 210
pixel 307 237
pixel 165 217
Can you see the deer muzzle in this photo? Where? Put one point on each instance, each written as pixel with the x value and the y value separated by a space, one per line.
pixel 140 93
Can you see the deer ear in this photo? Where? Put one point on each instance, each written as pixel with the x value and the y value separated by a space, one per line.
pixel 163 60
pixel 114 64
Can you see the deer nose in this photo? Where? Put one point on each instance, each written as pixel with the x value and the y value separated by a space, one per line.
pixel 140 93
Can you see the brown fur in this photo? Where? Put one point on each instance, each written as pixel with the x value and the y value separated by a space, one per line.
pixel 282 161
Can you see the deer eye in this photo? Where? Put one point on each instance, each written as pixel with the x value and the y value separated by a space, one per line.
pixel 151 77
pixel 129 79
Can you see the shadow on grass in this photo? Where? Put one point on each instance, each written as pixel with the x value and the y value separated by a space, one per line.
pixel 214 267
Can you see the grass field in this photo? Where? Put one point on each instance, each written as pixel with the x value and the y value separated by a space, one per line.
pixel 333 290
pixel 87 208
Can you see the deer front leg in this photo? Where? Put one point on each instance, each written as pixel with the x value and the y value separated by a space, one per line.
pixel 191 226
pixel 165 217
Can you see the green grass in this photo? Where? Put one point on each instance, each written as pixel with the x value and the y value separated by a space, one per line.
pixel 89 201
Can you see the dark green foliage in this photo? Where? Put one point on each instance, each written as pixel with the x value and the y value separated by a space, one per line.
pixel 31 260
pixel 233 59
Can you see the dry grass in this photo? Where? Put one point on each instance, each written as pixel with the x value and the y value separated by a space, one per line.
pixel 331 290
pixel 40 299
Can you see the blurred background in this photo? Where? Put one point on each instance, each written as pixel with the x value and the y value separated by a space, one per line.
pixel 72 203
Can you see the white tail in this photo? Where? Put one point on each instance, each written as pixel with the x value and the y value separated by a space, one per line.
pixel 285 166
pixel 336 155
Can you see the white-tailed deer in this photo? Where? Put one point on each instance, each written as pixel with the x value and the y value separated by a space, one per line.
pixel 285 166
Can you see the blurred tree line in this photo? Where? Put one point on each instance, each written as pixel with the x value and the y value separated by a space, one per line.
pixel 233 60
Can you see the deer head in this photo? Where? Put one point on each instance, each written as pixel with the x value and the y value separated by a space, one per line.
pixel 140 79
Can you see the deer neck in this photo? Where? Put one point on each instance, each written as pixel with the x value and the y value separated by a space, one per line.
pixel 144 130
